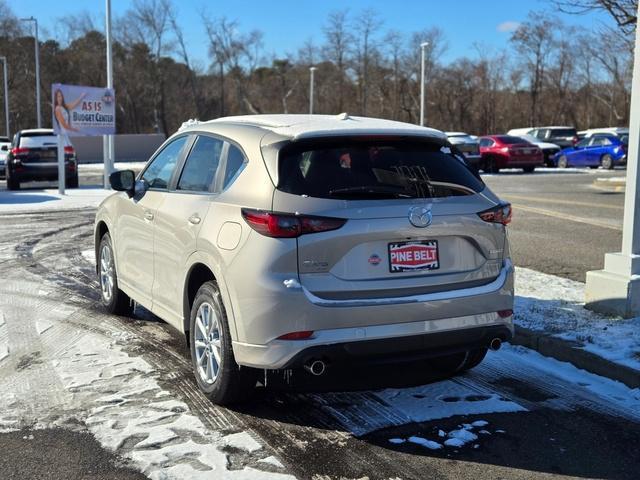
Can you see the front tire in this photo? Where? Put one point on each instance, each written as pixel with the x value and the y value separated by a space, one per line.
pixel 73 181
pixel 490 166
pixel 529 169
pixel 218 375
pixel 563 162
pixel 113 299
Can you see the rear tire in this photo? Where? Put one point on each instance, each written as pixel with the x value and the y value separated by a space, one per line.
pixel 113 299
pixel 12 184
pixel 73 181
pixel 563 162
pixel 529 169
pixel 606 162
pixel 459 362
pixel 489 166
pixel 218 375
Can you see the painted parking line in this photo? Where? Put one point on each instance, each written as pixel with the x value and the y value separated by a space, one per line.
pixel 562 202
pixel 564 216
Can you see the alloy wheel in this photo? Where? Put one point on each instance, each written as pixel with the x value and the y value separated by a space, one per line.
pixel 208 346
pixel 106 273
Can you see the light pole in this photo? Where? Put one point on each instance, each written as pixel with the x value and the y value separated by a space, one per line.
pixel 107 141
pixel 616 288
pixel 6 95
pixel 35 23
pixel 423 47
pixel 311 86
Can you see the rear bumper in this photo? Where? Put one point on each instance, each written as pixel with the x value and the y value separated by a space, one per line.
pixel 463 318
pixel 28 172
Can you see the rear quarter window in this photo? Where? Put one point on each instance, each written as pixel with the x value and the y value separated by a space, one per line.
pixel 358 169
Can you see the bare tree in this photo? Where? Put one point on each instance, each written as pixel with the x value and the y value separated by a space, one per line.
pixel 184 55
pixel 338 38
pixel 623 12
pixel 366 25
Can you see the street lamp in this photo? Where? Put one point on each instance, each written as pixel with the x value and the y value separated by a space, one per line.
pixel 35 23
pixel 616 288
pixel 311 71
pixel 6 95
pixel 108 145
pixel 423 47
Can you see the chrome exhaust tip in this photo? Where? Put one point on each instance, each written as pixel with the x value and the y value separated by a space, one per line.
pixel 495 344
pixel 315 367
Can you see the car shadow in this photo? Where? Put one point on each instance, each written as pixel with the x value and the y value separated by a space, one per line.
pixel 14 198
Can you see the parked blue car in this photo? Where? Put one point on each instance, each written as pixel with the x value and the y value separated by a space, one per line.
pixel 599 150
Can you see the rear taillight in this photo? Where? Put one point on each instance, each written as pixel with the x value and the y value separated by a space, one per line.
pixel 288 225
pixel 19 151
pixel 574 140
pixel 505 313
pixel 500 214
pixel 69 150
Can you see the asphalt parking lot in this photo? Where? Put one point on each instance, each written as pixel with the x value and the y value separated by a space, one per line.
pixel 536 423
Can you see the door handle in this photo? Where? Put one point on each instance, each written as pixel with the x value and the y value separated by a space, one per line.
pixel 194 219
pixel 148 215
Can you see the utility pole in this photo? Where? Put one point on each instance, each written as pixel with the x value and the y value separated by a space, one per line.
pixel 616 289
pixel 35 23
pixel 6 96
pixel 423 47
pixel 311 87
pixel 108 146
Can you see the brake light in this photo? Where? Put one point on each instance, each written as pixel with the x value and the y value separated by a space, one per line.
pixel 303 335
pixel 505 313
pixel 500 214
pixel 574 140
pixel 288 225
pixel 19 151
pixel 69 150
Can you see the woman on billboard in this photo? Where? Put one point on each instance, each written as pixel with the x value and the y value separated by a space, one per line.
pixel 61 111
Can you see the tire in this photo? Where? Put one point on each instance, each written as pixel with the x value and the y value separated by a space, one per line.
pixel 490 166
pixel 529 169
pixel 606 162
pixel 73 181
pixel 459 362
pixel 12 184
pixel 563 162
pixel 114 300
pixel 218 375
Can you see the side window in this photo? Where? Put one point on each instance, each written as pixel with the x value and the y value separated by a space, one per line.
pixel 158 174
pixel 485 142
pixel 235 161
pixel 201 166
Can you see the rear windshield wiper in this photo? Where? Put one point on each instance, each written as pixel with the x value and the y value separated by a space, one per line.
pixel 375 190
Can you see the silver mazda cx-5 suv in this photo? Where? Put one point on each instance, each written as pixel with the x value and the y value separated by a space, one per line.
pixel 290 241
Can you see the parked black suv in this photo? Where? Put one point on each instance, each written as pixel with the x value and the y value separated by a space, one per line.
pixel 34 156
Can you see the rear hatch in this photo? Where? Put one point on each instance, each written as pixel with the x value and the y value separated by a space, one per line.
pixel 524 153
pixel 38 148
pixel 412 217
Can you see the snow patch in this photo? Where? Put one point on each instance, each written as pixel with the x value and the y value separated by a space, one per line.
pixel 4 350
pixel 89 256
pixel 430 444
pixel 555 306
pixel 458 438
pixel 42 325
pixel 49 199
pixel 241 441
pixel 271 460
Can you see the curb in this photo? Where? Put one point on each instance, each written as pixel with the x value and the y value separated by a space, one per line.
pixel 572 352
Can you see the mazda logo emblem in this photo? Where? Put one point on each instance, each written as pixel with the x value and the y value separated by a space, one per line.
pixel 420 216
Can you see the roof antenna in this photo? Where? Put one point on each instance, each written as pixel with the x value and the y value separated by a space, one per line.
pixel 343 116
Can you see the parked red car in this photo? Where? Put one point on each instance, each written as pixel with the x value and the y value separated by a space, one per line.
pixel 506 151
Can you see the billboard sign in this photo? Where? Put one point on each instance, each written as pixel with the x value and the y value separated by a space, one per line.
pixel 83 111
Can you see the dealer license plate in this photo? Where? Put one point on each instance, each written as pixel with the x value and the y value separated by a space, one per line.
pixel 413 256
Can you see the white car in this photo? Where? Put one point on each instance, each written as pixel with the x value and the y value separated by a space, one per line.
pixel 617 131
pixel 5 145
pixel 548 149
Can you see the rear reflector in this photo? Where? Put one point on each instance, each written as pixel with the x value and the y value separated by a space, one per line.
pixel 505 313
pixel 304 335
pixel 69 150
pixel 288 225
pixel 500 214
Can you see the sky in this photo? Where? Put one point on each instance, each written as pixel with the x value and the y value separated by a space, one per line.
pixel 287 24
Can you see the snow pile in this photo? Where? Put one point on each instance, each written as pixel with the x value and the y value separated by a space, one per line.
pixel 99 167
pixel 555 306
pixel 36 200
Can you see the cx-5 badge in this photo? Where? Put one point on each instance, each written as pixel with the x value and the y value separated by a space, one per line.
pixel 420 216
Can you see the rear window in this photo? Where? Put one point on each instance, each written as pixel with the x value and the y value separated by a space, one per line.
pixel 510 140
pixel 359 169
pixel 37 139
pixel 563 132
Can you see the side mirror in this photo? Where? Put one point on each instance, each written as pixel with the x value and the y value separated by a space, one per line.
pixel 123 181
